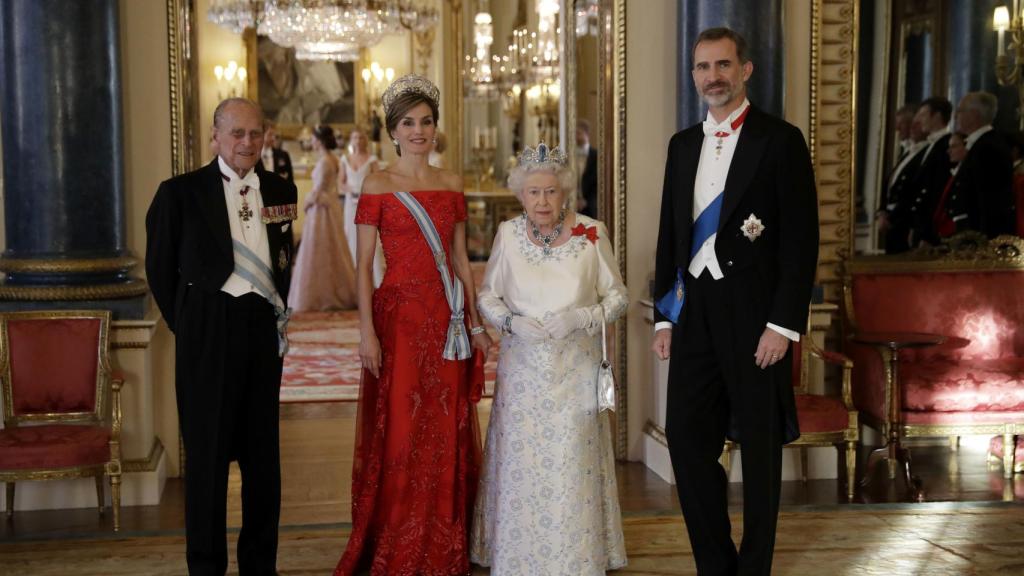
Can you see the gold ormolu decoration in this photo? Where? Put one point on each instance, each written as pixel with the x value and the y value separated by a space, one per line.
pixel 66 265
pixel 129 289
pixel 834 25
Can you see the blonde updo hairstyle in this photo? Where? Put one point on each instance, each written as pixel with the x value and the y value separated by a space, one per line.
pixel 565 175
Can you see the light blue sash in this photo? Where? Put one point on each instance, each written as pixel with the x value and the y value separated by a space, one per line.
pixel 457 346
pixel 250 267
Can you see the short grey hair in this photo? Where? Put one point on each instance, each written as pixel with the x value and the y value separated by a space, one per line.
pixel 565 175
pixel 218 113
pixel 984 103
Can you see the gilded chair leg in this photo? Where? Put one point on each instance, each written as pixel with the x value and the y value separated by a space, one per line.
pixel 10 499
pixel 100 503
pixel 115 499
pixel 1009 446
pixel 803 464
pixel 954 443
pixel 851 468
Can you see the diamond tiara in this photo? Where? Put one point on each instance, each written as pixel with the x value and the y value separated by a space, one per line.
pixel 542 155
pixel 410 83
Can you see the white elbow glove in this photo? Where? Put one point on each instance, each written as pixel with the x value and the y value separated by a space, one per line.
pixel 528 328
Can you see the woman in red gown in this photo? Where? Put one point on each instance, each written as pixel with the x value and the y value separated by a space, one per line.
pixel 418 445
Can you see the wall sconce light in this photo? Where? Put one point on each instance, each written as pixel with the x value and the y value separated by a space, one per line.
pixel 231 80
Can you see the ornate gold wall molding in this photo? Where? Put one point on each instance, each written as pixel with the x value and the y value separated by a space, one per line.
pixel 618 105
pixel 834 25
pixel 184 90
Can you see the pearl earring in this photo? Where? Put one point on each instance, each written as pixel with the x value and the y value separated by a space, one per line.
pixel 394 141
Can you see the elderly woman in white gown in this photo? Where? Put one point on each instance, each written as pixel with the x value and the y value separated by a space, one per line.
pixel 548 502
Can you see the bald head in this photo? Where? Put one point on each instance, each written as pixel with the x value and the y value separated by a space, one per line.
pixel 238 132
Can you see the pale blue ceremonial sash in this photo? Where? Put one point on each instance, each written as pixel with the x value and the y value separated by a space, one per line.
pixel 706 225
pixel 250 267
pixel 456 347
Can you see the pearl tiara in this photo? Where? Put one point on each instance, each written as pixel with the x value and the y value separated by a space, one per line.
pixel 542 155
pixel 410 83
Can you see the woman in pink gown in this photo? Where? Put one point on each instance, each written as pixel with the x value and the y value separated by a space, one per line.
pixel 323 277
pixel 418 445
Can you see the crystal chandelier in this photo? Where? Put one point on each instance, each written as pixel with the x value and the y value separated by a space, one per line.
pixel 324 29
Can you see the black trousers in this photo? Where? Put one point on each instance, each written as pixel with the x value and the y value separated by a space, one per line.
pixel 715 389
pixel 228 386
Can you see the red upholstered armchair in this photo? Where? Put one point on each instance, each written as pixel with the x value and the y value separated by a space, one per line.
pixel 61 404
pixel 825 420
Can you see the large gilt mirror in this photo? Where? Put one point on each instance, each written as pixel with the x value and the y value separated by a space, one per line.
pixel 512 73
pixel 912 50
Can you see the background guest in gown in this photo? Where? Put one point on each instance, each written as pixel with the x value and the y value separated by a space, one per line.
pixel 414 474
pixel 324 278
pixel 548 502
pixel 356 165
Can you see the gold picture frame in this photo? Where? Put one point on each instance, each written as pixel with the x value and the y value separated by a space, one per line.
pixel 304 86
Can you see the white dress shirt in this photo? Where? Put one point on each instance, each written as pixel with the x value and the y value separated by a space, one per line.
pixel 712 171
pixel 252 233
pixel 267 157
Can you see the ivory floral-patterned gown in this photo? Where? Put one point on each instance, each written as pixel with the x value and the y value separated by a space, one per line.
pixel 417 448
pixel 548 502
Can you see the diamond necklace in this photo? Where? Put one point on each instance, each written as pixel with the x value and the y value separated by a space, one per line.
pixel 547 239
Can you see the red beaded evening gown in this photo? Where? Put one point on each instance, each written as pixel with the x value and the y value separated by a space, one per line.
pixel 418 446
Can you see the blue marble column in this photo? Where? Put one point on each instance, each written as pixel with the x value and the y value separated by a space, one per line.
pixel 60 116
pixel 971 53
pixel 760 23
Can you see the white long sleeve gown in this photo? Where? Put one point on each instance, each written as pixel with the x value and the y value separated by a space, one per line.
pixel 548 502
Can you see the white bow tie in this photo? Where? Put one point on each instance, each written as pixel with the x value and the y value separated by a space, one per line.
pixel 251 180
pixel 712 129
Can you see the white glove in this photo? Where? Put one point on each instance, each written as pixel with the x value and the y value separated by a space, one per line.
pixel 564 323
pixel 528 328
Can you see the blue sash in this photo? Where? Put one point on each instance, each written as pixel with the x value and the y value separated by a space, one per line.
pixel 250 267
pixel 456 346
pixel 671 304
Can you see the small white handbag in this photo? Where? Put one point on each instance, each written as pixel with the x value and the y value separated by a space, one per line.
pixel 605 378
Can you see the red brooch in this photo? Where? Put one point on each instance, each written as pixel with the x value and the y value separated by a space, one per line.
pixel 590 233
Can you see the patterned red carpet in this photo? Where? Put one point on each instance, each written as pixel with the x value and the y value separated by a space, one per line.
pixel 322 364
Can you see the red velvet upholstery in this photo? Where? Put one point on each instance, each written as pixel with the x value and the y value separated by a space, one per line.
pixel 53 364
pixel 53 446
pixel 981 367
pixel 974 386
pixel 986 308
pixel 821 413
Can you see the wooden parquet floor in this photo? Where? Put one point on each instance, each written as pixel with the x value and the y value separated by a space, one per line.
pixel 889 540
